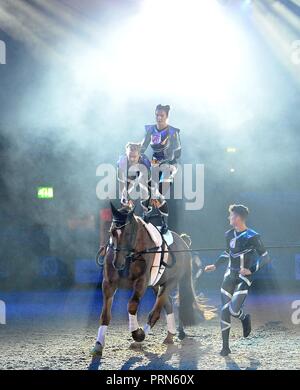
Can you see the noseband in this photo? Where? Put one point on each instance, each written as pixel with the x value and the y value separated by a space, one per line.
pixel 131 253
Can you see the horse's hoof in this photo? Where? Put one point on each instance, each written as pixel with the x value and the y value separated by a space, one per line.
pixel 168 341
pixel 97 350
pixel 138 335
pixel 181 335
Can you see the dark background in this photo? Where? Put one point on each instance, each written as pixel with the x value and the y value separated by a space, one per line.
pixel 41 146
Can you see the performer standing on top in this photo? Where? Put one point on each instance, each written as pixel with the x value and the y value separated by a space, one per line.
pixel 165 143
pixel 246 255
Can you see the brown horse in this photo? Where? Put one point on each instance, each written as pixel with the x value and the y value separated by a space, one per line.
pixel 132 246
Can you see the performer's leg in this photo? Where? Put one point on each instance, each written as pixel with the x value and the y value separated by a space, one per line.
pixel 164 212
pixel 164 188
pixel 145 203
pixel 227 290
pixel 237 302
pixel 166 178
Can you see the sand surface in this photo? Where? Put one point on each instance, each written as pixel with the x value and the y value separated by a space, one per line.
pixel 65 343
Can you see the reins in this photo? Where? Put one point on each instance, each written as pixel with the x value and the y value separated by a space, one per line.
pixel 155 250
pixel 132 254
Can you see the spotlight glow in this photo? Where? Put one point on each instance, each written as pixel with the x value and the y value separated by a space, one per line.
pixel 181 48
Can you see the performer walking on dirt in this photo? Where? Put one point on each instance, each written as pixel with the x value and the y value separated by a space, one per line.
pixel 166 146
pixel 246 255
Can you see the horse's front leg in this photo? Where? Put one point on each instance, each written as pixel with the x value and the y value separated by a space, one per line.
pixel 139 289
pixel 108 289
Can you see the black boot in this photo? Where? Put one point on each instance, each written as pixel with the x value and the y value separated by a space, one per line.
pixel 146 209
pixel 225 337
pixel 164 213
pixel 225 351
pixel 146 218
pixel 246 322
pixel 164 227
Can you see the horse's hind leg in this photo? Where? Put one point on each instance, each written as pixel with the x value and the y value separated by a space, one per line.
pixel 162 300
pixel 170 317
pixel 108 290
pixel 171 325
pixel 181 332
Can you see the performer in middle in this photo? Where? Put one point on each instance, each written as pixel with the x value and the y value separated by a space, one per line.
pixel 134 174
pixel 165 143
pixel 134 170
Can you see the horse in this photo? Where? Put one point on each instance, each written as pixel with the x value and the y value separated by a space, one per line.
pixel 132 246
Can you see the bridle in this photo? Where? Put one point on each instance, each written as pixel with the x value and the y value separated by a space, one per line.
pixel 129 249
pixel 132 254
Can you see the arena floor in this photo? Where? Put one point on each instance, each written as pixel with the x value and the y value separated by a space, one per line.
pixel 45 333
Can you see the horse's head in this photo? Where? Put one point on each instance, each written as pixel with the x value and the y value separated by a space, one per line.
pixel 122 235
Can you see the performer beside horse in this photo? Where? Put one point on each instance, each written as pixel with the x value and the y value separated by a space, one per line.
pixel 243 245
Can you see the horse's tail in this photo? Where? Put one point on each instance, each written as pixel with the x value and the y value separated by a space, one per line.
pixel 187 239
pixel 190 311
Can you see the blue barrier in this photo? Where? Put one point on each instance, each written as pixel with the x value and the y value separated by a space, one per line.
pixel 86 271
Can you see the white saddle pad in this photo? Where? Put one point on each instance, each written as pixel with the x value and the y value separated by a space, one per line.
pixel 157 269
pixel 154 233
pixel 168 237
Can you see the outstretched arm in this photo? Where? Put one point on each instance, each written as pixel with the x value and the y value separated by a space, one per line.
pixel 220 260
